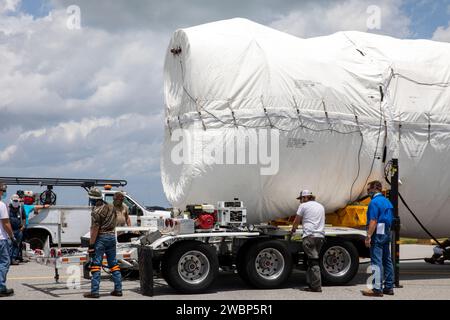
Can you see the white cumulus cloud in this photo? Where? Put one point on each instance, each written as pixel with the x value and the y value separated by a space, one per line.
pixel 9 5
pixel 315 20
pixel 8 153
pixel 442 33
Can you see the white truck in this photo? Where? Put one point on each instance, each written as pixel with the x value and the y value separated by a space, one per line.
pixel 66 225
pixel 74 221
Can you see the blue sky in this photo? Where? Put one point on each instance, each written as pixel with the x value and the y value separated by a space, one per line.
pixel 36 8
pixel 426 15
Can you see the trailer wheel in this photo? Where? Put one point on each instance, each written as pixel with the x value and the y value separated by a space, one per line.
pixel 190 267
pixel 267 264
pixel 339 262
pixel 36 238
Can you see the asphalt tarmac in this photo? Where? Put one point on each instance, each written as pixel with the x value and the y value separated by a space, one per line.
pixel 420 280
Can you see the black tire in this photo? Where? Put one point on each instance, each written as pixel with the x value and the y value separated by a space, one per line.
pixel 240 263
pixel 271 253
pixel 339 262
pixel 165 268
pixel 37 238
pixel 188 256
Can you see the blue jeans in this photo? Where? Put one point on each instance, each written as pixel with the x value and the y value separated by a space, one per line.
pixel 16 250
pixel 380 256
pixel 4 262
pixel 105 244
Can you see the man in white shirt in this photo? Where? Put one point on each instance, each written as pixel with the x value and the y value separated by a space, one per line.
pixel 6 233
pixel 311 215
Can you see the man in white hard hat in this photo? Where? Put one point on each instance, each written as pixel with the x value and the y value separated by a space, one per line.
pixel 103 242
pixel 17 221
pixel 311 215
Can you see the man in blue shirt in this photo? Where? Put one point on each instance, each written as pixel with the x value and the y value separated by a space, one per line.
pixel 380 215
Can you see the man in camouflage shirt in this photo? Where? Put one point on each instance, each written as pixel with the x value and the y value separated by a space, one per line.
pixel 102 241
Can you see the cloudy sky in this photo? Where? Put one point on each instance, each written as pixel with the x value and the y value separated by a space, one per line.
pixel 89 103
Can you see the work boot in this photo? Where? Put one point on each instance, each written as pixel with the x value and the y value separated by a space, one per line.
pixel 6 292
pixel 389 292
pixel 440 260
pixel 372 293
pixel 430 260
pixel 91 295
pixel 14 263
pixel 116 293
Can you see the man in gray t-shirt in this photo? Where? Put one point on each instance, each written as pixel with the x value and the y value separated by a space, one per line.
pixel 311 215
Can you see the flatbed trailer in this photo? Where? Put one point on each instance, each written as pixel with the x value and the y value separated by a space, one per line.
pixel 263 256
pixel 57 257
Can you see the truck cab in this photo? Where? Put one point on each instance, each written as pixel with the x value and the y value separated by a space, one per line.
pixel 135 209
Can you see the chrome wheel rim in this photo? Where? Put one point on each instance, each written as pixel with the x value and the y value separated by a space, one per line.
pixel 193 267
pixel 269 264
pixel 336 261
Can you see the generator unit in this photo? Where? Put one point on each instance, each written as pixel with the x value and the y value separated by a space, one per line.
pixel 205 215
pixel 231 213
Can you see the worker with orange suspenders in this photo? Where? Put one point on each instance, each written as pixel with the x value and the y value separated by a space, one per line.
pixel 103 241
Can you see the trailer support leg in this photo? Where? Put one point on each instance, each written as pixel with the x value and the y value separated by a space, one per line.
pixel 396 223
pixel 56 275
pixel 145 259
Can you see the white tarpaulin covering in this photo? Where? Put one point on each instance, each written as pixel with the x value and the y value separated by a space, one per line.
pixel 320 112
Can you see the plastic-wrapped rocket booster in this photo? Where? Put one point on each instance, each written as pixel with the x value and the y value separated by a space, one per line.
pixel 258 114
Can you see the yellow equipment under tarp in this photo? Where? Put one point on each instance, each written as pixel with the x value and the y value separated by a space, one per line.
pixel 350 216
pixel 353 216
pixel 282 221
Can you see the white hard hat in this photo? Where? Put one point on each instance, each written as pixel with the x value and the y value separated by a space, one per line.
pixel 95 194
pixel 28 193
pixel 304 193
